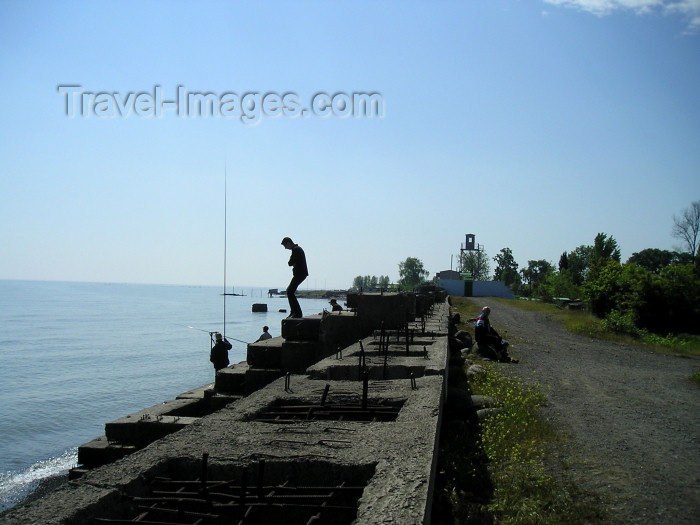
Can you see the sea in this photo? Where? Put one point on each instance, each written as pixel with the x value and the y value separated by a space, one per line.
pixel 74 356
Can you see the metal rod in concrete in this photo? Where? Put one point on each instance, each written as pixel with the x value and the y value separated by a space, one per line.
pixel 261 472
pixel 325 394
pixel 365 388
pixel 407 340
pixel 203 477
pixel 385 372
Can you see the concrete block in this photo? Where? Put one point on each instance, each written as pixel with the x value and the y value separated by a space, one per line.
pixel 304 329
pixel 297 356
pixel 100 451
pixel 144 430
pixel 134 430
pixel 231 379
pixel 197 393
pixel 265 354
pixel 338 330
pixel 208 401
pixel 392 309
pixel 257 378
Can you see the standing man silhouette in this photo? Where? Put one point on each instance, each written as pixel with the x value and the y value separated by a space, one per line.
pixel 299 272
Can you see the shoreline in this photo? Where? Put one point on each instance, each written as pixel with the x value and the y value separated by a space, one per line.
pixel 43 487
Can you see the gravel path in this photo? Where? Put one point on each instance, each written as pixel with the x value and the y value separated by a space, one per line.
pixel 633 416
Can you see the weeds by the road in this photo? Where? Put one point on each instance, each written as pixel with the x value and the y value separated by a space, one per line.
pixel 695 378
pixel 516 439
pixel 497 471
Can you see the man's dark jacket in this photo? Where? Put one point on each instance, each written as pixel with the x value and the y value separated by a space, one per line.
pixel 298 262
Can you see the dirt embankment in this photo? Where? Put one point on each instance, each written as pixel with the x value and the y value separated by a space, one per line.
pixel 633 416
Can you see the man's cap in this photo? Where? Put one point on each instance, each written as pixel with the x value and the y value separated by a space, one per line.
pixel 332 301
pixel 286 240
pixel 218 335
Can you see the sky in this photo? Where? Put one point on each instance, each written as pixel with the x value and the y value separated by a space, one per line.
pixel 149 142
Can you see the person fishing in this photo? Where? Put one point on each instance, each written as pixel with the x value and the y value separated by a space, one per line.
pixel 219 352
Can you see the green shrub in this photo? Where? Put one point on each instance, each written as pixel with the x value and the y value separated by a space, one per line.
pixel 620 323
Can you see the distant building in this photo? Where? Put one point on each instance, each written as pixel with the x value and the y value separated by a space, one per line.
pixel 452 282
pixel 448 275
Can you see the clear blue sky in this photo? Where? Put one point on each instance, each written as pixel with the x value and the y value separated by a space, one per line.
pixel 532 124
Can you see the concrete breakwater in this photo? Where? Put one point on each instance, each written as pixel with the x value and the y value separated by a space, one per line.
pixel 337 421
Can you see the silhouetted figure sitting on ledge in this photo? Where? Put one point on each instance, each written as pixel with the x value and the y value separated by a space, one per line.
pixel 265 335
pixel 335 307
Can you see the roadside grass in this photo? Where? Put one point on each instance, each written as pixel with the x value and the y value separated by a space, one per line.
pixel 498 472
pixel 695 378
pixel 516 439
pixel 503 470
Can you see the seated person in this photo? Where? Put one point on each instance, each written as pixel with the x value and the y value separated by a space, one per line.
pixel 488 338
pixel 335 307
pixel 264 335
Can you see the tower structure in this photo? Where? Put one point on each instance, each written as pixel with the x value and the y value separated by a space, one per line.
pixel 469 245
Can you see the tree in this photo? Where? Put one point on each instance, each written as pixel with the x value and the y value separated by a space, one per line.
pixel 687 228
pixel 559 284
pixel 536 273
pixel 655 260
pixel 475 262
pixel 384 282
pixel 605 292
pixel 563 262
pixel 605 249
pixel 579 262
pixel 368 282
pixel 412 273
pixel 358 283
pixel 365 282
pixel 506 268
pixel 665 303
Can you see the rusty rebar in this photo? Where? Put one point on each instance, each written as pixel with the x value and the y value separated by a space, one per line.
pixel 365 388
pixel 325 394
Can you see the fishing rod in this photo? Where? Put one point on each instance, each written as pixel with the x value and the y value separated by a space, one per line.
pixel 225 237
pixel 195 328
pixel 211 333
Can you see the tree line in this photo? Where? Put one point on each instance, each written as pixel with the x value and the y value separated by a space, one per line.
pixel 411 275
pixel 654 290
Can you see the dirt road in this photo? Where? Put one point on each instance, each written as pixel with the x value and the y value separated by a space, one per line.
pixel 633 416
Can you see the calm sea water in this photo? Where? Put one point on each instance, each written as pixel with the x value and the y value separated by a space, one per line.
pixel 74 356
